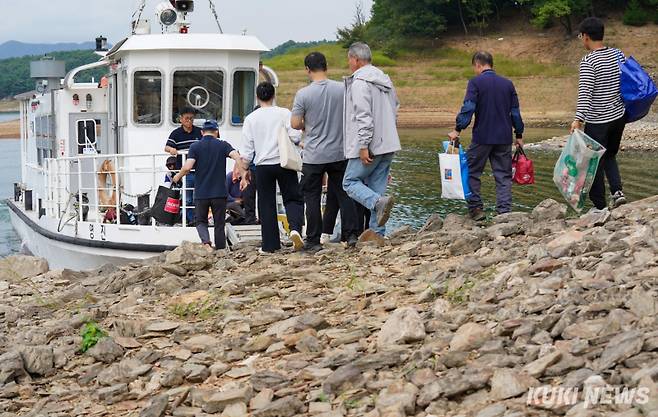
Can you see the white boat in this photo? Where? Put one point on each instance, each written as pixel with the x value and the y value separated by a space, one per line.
pixel 88 149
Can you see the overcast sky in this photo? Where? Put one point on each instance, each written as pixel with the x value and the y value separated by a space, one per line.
pixel 273 21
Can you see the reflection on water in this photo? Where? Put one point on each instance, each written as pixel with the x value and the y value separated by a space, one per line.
pixel 10 166
pixel 417 185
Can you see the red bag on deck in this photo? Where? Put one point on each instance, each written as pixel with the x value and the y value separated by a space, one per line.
pixel 523 170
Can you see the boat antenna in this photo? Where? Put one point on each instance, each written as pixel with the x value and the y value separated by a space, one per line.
pixel 138 12
pixel 214 12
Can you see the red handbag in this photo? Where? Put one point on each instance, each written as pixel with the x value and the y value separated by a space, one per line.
pixel 523 170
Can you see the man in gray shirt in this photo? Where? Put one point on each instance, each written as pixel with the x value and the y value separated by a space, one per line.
pixel 318 109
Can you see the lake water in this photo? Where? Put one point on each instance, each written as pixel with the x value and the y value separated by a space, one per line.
pixel 6 116
pixel 416 183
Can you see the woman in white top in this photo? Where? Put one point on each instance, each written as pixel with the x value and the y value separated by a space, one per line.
pixel 260 142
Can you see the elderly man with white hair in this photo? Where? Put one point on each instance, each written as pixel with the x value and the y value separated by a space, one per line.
pixel 371 136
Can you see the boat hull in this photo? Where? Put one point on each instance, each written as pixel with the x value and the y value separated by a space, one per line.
pixel 61 254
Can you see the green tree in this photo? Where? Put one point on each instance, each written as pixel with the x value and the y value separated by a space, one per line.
pixel 562 11
pixel 357 32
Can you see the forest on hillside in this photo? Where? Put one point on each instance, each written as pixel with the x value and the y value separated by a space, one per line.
pixel 15 72
pixel 393 23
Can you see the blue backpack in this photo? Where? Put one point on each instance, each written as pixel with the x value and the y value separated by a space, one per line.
pixel 637 89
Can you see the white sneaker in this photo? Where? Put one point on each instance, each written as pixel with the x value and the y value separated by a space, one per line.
pixel 325 238
pixel 297 241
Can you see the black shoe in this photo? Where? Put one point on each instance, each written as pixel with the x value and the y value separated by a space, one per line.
pixel 312 247
pixel 477 215
pixel 618 199
pixel 352 241
pixel 383 208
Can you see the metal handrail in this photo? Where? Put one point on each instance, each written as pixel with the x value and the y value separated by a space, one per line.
pixel 58 175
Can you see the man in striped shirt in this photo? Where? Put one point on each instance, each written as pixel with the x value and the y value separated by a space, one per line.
pixel 601 109
pixel 180 140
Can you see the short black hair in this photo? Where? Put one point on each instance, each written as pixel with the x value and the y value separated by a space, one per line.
pixel 483 58
pixel 316 61
pixel 265 91
pixel 188 110
pixel 592 27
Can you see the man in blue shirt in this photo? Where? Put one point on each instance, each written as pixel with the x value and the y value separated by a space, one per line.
pixel 208 158
pixel 494 102
pixel 180 140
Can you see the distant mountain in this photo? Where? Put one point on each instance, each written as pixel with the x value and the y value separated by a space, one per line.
pixel 290 45
pixel 14 49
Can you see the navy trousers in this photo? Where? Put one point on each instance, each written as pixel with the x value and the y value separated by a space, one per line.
pixel 500 157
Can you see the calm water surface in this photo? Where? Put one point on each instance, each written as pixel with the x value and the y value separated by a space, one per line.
pixel 416 182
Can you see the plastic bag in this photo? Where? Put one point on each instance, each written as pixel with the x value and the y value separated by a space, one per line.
pixel 166 208
pixel 453 165
pixel 523 170
pixel 576 168
pixel 290 158
pixel 637 90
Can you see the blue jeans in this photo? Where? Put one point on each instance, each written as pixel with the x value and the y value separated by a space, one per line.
pixel 365 184
pixel 189 197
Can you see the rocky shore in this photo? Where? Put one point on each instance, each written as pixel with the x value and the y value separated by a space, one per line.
pixel 641 136
pixel 456 319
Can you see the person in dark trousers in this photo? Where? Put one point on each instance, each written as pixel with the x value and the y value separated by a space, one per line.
pixel 494 102
pixel 318 109
pixel 260 140
pixel 180 140
pixel 249 198
pixel 601 108
pixel 208 158
pixel 234 206
pixel 331 214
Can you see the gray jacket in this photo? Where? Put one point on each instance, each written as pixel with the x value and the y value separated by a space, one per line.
pixel 371 107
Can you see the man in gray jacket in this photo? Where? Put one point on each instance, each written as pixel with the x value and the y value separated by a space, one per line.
pixel 371 136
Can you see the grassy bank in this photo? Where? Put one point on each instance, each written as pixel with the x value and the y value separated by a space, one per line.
pixel 10 130
pixel 431 82
pixel 8 105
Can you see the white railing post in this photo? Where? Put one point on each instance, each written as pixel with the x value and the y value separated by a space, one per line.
pixel 117 188
pixel 80 201
pixel 154 185
pixel 95 190
pixel 184 193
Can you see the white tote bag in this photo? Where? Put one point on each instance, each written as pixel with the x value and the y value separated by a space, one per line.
pixel 452 187
pixel 289 156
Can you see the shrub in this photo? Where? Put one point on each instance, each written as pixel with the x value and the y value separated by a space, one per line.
pixel 635 15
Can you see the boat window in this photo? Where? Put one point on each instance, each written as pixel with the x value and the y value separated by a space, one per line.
pixel 202 90
pixel 244 94
pixel 87 136
pixel 147 102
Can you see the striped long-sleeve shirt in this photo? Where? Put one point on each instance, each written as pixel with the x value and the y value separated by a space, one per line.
pixel 599 95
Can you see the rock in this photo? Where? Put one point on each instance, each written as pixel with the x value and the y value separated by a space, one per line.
pixel 284 407
pixel 196 373
pixel 11 367
pixel 403 326
pixel 106 350
pixel 469 336
pixel 621 347
pixel 258 343
pixel 262 399
pixel 113 394
pixel 38 360
pixel 218 401
pixel 235 410
pixel 191 256
pixel 125 372
pixel 201 343
pixel 507 383
pixel 562 245
pixel 19 267
pixel 494 410
pixel 642 303
pixel 537 368
pixel 337 381
pixel 433 224
pixel 397 396
pixel 157 408
pixel 162 326
pixel 173 377
pixel 549 210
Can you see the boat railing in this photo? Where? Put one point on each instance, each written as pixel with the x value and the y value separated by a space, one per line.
pixel 77 188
